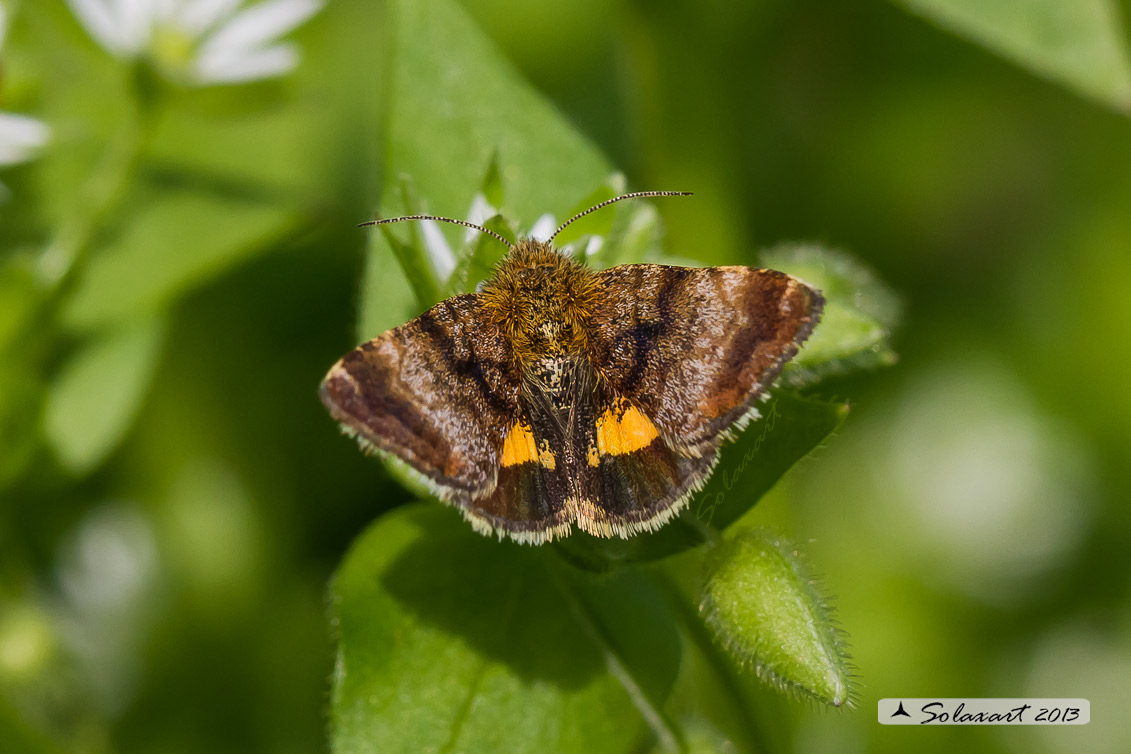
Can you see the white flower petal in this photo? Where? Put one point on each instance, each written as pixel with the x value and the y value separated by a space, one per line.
pixel 480 212
pixel 259 25
pixel 136 19
pixel 198 16
pixel 543 227
pixel 594 245
pixel 164 11
pixel 443 260
pixel 101 22
pixel 20 137
pixel 233 66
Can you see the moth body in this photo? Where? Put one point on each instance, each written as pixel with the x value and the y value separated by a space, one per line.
pixel 561 396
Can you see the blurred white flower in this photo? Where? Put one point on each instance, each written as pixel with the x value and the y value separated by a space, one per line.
pixel 991 494
pixel 205 41
pixel 109 575
pixel 21 137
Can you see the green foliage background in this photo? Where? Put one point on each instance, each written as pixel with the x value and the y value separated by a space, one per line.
pixel 174 500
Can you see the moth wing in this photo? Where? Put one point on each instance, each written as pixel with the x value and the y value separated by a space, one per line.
pixel 693 348
pixel 437 392
pixel 631 479
pixel 533 499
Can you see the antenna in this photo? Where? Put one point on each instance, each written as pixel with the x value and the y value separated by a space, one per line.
pixel 505 242
pixel 614 200
pixel 464 223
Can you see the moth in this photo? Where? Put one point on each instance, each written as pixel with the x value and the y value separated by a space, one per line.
pixel 560 396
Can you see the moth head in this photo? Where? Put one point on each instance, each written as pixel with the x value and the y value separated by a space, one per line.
pixel 539 298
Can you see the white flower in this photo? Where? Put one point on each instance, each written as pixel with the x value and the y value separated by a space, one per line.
pixel 203 41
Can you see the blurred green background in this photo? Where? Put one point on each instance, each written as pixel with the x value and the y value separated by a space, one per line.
pixel 179 265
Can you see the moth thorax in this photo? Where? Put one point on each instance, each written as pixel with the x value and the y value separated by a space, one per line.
pixel 543 302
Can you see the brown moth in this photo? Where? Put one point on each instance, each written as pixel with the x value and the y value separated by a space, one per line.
pixel 559 395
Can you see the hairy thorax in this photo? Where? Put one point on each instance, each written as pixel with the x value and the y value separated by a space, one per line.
pixel 543 302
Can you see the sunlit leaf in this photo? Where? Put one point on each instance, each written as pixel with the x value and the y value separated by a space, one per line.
pixel 387 299
pixel 95 398
pixel 457 105
pixel 492 188
pixel 448 640
pixel 1080 43
pixel 765 607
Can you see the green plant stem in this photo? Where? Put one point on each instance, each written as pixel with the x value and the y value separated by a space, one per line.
pixel 719 663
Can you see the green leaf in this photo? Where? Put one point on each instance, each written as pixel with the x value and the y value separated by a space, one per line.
pixel 457 107
pixel 1080 43
pixel 462 120
pixel 766 608
pixel 95 398
pixel 855 328
pixel 387 299
pixel 492 187
pixel 450 641
pixel 633 237
pixel 595 223
pixel 247 139
pixel 174 241
pixel 790 429
pixel 398 282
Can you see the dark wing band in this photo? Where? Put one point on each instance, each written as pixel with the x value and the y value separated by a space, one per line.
pixel 694 347
pixel 438 392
